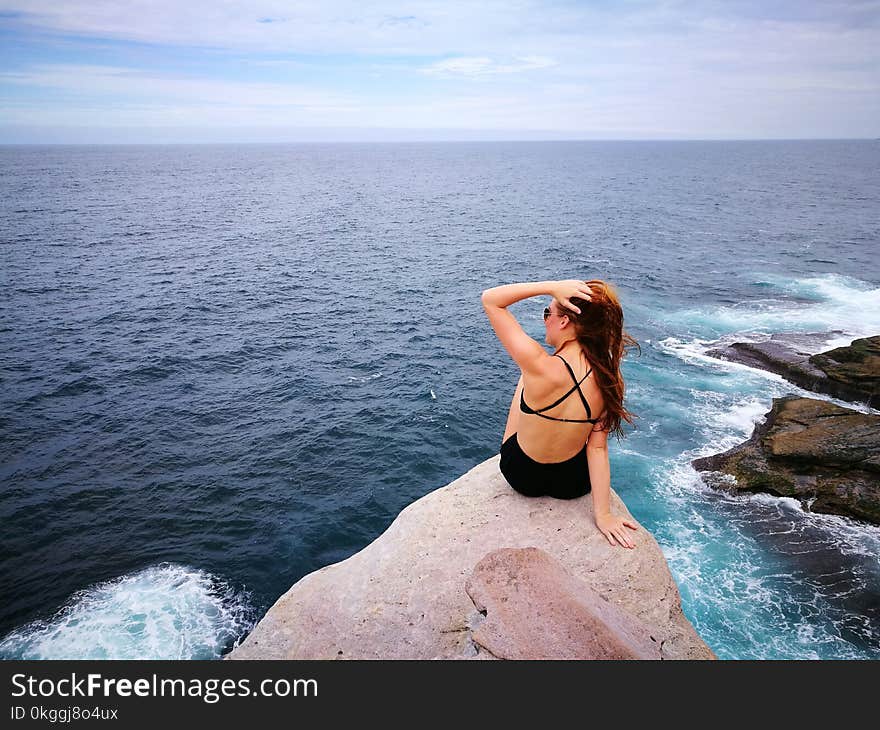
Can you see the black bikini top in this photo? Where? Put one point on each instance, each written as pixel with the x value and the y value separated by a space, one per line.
pixel 577 387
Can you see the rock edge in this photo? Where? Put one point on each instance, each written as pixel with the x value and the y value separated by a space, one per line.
pixel 404 596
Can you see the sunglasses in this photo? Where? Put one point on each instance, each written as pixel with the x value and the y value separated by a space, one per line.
pixel 547 313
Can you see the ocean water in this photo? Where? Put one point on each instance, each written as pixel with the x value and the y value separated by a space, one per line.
pixel 224 367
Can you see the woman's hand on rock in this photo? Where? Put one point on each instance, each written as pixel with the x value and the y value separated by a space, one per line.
pixel 563 291
pixel 612 527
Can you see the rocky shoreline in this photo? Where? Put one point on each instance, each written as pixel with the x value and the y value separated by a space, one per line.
pixel 474 570
pixel 850 373
pixel 824 455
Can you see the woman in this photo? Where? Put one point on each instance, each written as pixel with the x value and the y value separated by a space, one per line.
pixel 561 449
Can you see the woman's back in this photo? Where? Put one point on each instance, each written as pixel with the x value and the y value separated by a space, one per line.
pixel 553 417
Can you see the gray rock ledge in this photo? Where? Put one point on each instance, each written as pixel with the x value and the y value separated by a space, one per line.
pixel 405 595
pixel 850 373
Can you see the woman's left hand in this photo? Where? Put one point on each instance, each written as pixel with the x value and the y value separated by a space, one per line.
pixel 563 291
pixel 612 527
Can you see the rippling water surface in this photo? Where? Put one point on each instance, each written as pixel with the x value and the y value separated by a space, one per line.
pixel 224 367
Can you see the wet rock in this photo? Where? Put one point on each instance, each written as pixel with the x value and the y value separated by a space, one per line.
pixel 849 373
pixel 824 455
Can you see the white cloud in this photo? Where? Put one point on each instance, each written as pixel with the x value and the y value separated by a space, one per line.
pixel 380 27
pixel 482 66
pixel 668 66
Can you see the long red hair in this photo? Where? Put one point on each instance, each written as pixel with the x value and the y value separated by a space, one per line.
pixel 599 331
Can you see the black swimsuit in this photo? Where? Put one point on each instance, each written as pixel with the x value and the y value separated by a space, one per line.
pixel 567 479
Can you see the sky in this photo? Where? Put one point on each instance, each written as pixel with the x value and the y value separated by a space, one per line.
pixel 282 71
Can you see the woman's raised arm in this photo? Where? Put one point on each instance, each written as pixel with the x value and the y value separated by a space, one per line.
pixel 563 291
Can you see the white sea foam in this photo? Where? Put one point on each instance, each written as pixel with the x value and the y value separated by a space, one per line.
pixel 825 287
pixel 725 421
pixel 692 351
pixel 726 405
pixel 715 545
pixel 726 417
pixel 814 304
pixel 166 611
pixel 364 379
pixel 854 537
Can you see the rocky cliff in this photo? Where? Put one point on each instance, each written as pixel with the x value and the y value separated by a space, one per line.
pixel 475 570
pixel 825 455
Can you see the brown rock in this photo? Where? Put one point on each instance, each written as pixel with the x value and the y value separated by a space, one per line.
pixel 535 610
pixel 855 368
pixel 826 456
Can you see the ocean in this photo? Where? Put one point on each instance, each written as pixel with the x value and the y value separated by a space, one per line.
pixel 224 367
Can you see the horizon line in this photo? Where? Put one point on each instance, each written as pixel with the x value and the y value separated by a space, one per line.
pixel 437 141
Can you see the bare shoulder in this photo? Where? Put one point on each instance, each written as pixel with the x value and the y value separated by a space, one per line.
pixel 549 374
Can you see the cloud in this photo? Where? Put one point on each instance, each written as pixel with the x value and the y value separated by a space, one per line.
pixel 130 87
pixel 380 27
pixel 482 66
pixel 678 67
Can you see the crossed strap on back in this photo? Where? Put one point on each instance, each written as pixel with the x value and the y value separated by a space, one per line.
pixel 575 387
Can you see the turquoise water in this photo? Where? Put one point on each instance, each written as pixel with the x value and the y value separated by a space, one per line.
pixel 225 367
pixel 759 577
